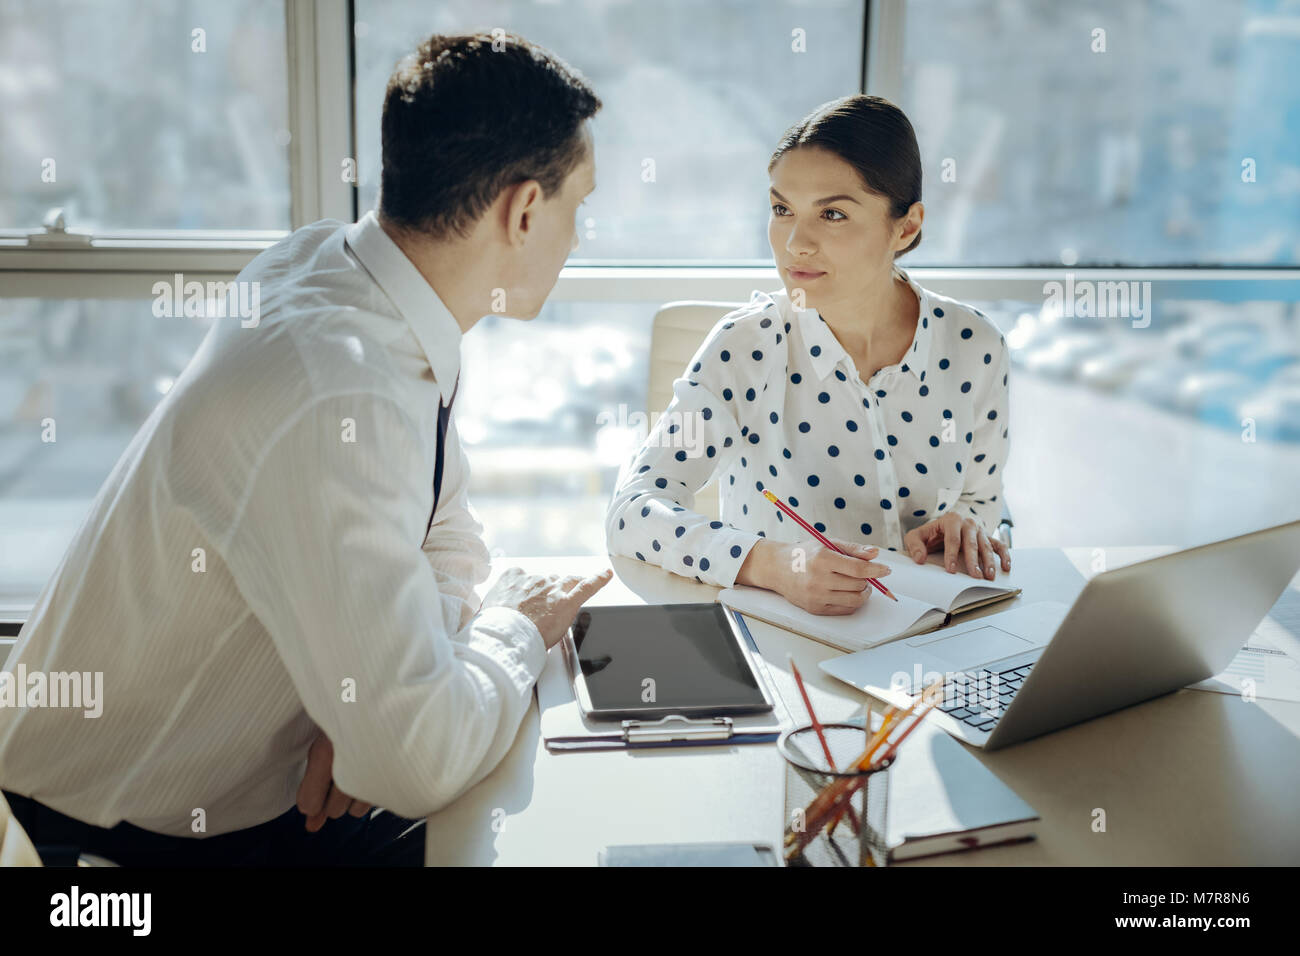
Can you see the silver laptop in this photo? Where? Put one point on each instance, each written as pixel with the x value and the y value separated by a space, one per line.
pixel 1132 634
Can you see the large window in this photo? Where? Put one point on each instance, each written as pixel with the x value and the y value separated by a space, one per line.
pixel 1180 431
pixel 184 136
pixel 78 378
pixel 144 114
pixel 1107 133
pixel 695 98
pixel 539 413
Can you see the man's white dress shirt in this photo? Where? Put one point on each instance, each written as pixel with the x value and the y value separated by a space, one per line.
pixel 255 570
pixel 772 401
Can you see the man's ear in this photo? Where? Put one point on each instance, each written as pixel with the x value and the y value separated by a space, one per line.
pixel 522 203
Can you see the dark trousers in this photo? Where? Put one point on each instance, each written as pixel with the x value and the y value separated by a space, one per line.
pixel 379 838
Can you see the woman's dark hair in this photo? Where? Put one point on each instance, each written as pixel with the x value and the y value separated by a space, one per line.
pixel 874 137
pixel 468 116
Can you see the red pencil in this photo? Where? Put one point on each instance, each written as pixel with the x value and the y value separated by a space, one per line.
pixel 812 715
pixel 821 735
pixel 826 541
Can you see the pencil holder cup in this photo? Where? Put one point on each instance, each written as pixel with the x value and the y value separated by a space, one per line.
pixel 833 817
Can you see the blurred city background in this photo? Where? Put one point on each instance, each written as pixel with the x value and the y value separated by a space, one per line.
pixel 1179 432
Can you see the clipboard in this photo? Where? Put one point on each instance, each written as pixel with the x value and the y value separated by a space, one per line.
pixel 566 729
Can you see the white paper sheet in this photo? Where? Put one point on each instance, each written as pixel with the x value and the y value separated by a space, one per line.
pixel 1268 665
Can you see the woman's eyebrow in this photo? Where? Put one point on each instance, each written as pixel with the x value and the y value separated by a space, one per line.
pixel 821 202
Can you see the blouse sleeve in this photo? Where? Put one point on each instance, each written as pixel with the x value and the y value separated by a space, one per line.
pixel 981 496
pixel 693 443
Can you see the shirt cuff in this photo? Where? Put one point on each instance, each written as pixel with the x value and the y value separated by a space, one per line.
pixel 730 553
pixel 510 638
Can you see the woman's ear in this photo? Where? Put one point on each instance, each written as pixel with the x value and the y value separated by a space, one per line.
pixel 908 236
pixel 916 241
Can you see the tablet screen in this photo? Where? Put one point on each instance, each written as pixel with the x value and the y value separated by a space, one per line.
pixel 681 655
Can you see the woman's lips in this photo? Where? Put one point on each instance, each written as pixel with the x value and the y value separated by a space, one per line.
pixel 801 275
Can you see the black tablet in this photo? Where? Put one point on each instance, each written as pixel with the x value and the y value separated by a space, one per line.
pixel 644 661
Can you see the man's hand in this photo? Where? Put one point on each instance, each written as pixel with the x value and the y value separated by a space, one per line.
pixel 550 602
pixel 963 542
pixel 318 797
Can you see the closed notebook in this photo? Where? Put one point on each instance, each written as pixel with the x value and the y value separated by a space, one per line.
pixel 928 597
pixel 943 800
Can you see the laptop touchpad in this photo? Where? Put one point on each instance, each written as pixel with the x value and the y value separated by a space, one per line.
pixel 972 648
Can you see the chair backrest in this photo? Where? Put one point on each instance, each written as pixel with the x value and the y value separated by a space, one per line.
pixel 15 847
pixel 679 328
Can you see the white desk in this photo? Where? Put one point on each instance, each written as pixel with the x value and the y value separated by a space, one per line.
pixel 1193 778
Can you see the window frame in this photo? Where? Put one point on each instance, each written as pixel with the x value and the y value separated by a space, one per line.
pixel 119 264
pixel 321 73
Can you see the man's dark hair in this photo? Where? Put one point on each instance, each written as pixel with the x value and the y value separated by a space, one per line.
pixel 464 120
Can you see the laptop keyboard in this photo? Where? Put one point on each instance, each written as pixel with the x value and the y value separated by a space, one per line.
pixel 979 698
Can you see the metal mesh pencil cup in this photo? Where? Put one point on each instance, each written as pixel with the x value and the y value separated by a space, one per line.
pixel 859 838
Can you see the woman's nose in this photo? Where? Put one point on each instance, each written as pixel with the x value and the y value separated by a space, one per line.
pixel 799 241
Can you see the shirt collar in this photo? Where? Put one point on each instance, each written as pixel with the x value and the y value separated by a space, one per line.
pixel 434 326
pixel 825 351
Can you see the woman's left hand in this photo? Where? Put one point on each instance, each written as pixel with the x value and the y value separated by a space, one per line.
pixel 963 541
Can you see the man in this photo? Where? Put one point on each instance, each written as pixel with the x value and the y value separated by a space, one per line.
pixel 284 559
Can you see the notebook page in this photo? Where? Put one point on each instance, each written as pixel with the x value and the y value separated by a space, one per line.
pixel 877 621
pixel 934 586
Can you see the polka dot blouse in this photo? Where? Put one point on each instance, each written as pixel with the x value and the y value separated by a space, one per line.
pixel 772 401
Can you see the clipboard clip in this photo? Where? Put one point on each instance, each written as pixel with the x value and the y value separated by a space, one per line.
pixel 676 727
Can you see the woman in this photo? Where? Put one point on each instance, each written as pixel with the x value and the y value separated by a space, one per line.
pixel 876 409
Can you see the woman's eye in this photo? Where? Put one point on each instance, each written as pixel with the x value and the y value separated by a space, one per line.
pixel 779 210
pixel 835 212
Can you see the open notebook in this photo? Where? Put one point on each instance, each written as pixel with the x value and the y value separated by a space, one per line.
pixel 927 597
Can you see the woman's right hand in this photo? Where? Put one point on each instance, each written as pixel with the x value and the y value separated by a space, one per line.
pixel 812 576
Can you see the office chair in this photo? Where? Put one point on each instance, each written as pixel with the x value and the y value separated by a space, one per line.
pixel 678 330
